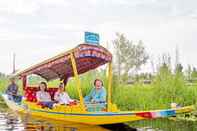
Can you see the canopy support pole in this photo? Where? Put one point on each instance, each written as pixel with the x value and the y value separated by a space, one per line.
pixel 24 81
pixel 109 103
pixel 77 80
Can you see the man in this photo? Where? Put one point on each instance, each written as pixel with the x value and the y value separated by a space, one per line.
pixel 97 94
pixel 12 91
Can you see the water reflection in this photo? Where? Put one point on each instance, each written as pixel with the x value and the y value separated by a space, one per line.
pixel 162 124
pixel 11 121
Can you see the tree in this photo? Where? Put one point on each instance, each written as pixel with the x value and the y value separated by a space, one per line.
pixel 2 75
pixel 128 55
pixel 194 73
pixel 178 65
pixel 188 73
pixel 179 68
pixel 164 62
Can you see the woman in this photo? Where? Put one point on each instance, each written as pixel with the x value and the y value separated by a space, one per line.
pixel 97 94
pixel 61 96
pixel 43 97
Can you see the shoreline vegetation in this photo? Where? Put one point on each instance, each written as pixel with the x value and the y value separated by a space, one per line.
pixel 165 88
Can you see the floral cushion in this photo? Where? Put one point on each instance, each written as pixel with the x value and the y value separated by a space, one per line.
pixel 30 93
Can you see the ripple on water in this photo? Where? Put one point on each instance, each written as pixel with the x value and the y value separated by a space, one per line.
pixel 11 121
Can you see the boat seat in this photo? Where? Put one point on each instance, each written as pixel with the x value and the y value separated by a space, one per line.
pixel 52 91
pixel 96 107
pixel 30 93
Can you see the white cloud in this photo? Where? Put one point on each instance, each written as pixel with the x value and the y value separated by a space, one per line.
pixel 66 27
pixel 53 2
pixel 36 28
pixel 3 20
pixel 18 6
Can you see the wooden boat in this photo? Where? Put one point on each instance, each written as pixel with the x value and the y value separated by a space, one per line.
pixel 83 58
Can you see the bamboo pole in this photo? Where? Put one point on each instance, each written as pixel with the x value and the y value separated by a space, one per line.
pixel 109 103
pixel 77 80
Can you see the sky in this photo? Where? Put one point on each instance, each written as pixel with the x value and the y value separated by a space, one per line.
pixel 38 29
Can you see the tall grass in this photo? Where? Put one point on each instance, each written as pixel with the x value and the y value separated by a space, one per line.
pixel 165 89
pixel 3 83
pixel 133 97
pixel 171 87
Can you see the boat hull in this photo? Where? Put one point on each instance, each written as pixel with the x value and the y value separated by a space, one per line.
pixel 95 118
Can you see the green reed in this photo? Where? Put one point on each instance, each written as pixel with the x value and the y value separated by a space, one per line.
pixel 166 87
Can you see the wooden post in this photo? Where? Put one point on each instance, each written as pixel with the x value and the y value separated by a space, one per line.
pixel 14 63
pixel 24 79
pixel 77 80
pixel 24 84
pixel 109 103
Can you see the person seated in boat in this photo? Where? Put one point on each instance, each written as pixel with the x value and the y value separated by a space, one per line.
pixel 97 94
pixel 43 97
pixel 62 97
pixel 12 91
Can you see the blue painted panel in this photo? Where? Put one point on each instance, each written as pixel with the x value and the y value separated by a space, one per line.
pixel 92 38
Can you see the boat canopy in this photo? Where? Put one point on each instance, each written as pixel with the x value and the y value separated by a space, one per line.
pixel 87 57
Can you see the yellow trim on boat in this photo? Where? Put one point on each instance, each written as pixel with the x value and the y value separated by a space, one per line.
pixel 77 80
pixel 109 103
pixel 75 114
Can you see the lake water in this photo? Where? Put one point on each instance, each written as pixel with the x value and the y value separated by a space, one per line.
pixel 11 121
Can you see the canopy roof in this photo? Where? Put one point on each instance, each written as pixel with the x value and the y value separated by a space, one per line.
pixel 87 57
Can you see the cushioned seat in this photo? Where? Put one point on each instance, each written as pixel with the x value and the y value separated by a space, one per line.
pixel 30 93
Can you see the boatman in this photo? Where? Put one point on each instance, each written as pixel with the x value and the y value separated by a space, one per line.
pixel 12 91
pixel 97 94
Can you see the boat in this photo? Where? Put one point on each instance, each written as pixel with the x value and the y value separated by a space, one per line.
pixel 81 59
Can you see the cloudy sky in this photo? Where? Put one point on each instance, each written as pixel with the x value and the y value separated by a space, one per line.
pixel 37 29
